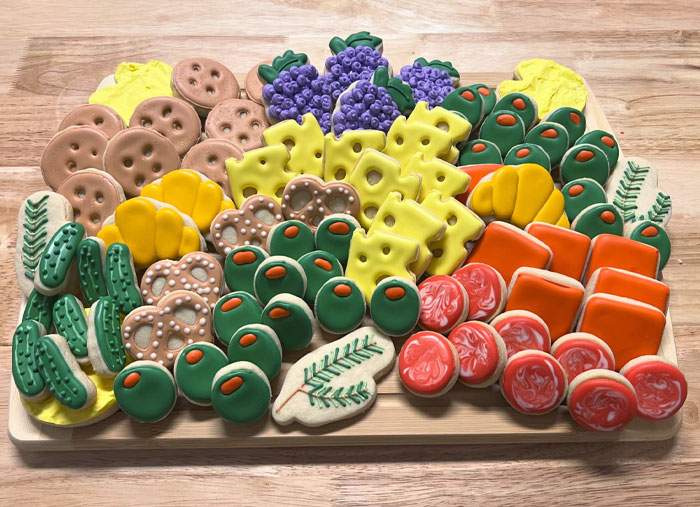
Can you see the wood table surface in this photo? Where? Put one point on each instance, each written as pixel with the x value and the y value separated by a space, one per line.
pixel 642 59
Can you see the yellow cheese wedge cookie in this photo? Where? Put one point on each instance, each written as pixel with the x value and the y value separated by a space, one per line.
pixel 305 144
pixel 260 171
pixel 436 174
pixel 341 153
pixel 404 139
pixel 454 124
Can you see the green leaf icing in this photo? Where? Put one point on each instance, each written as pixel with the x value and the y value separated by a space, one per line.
pixel 439 64
pixel 148 396
pixel 35 234
pixel 71 323
pixel 24 368
pixel 629 188
pixel 91 270
pixel 288 59
pixel 399 91
pixel 39 308
pixel 364 38
pixel 195 368
pixel 59 375
pixel 245 404
pixel 121 278
pixel 105 317
pixel 59 255
pixel 659 210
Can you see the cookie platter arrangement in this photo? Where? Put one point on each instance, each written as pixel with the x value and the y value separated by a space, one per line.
pixel 341 254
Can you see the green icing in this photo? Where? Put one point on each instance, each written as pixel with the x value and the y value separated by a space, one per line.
pixel 469 106
pixel 294 247
pixel 590 221
pixel 595 137
pixel 263 351
pixel 91 270
pixel 194 374
pixel 503 135
pixel 655 236
pixel 564 117
pixel 59 254
pixel 336 243
pixel 60 378
pixel 552 137
pixel 595 168
pixel 354 40
pixel 319 267
pixel 536 155
pixel 490 155
pixel 121 278
pixel 71 323
pixel 25 372
pixel 340 313
pixel 245 405
pixel 627 196
pixel 520 104
pixel 35 234
pixel 487 93
pixel 153 395
pixel 581 193
pixel 399 91
pixel 295 329
pixel 660 209
pixel 441 65
pixel 39 308
pixel 240 274
pixel 292 280
pixel 105 317
pixel 398 316
pixel 288 59
pixel 233 311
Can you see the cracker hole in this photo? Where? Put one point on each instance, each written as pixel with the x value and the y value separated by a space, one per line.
pixel 255 125
pixel 142 336
pixel 99 197
pixel 357 147
pixel 99 122
pixel 139 182
pixel 226 128
pixel 340 173
pixel 74 147
pixel 193 82
pixel 72 166
pixel 94 153
pixel 166 112
pixel 389 220
pixel 210 90
pixel 213 160
pixel 80 193
pixel 443 126
pixel 195 67
pixel 76 213
pixel 370 212
pixel 128 162
pixel 177 125
pixel 242 113
pixel 248 191
pixel 95 219
pixel 147 151
pixel 374 177
pixel 243 139
pixel 157 168
pixel 215 74
pixel 145 122
pixel 452 220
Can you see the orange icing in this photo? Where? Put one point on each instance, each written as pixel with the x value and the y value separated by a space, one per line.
pixel 194 356
pixel 467 94
pixel 279 313
pixel 584 155
pixel 575 190
pixel 623 253
pixel 506 120
pixel 231 385
pixel 132 379
pixel 231 304
pixel 276 272
pixel 569 248
pixel 342 290
pixel 608 141
pixel 608 217
pixel 244 257
pixel 323 264
pixel 248 339
pixel 627 285
pixel 478 147
pixel 291 232
pixel 550 134
pixel 394 293
pixel 484 91
pixel 523 152
pixel 575 118
pixel 649 232
pixel 519 104
pixel 339 228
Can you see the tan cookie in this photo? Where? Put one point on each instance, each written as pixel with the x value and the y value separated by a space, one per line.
pixel 204 83
pixel 172 117
pixel 253 84
pixel 73 149
pixel 94 195
pixel 98 116
pixel 249 225
pixel 160 332
pixel 137 156
pixel 208 158
pixel 239 121
pixel 309 199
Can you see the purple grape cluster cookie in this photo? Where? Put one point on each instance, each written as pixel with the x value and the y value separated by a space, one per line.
pixel 353 64
pixel 364 106
pixel 428 83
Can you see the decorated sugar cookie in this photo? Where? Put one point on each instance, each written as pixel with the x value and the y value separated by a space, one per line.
pixel 341 153
pixel 91 269
pixel 437 176
pixel 250 225
pixel 39 308
pixel 552 137
pixel 253 83
pixel 257 344
pixel 406 138
pixel 605 141
pixel 520 104
pixel 98 116
pixel 172 117
pixel 503 128
pixel 571 119
pixel 369 104
pixel 528 153
pixel 454 124
pixel 233 311
pixel 430 81
pixel 443 303
pixel 579 352
pixel 569 248
pixel 395 306
pixel 602 400
pixel 340 305
pixel 209 157
pixel 283 62
pixel 120 276
pixel 480 151
pixel 487 292
pixel 70 322
pixel 522 330
pixel 598 219
pixel 466 102
pixel 194 371
pixel 620 282
pixel 355 40
pixel 319 267
pixel 533 382
pixel 584 161
pixel 652 234
pixel 260 171
pixel 428 364
pixel 71 150
pixel 57 259
pixel 291 238
pixel 25 371
pixel 279 275
pixel 660 386
pixel 608 250
pixel 239 121
pixel 240 266
pixel 481 351
pixel 580 194
pixel 305 141
pixel 240 393
pixel 309 199
pixel 145 391
pixel 488 94
pixel 204 83
pixel 476 173
pixel 333 235
pixel 104 340
pixel 292 319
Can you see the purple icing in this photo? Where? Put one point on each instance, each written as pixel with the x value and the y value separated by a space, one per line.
pixel 353 64
pixel 366 106
pixel 428 83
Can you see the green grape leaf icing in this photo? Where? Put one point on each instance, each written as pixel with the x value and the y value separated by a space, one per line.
pixel 286 61
pixel 439 64
pixel 71 323
pixel 354 40
pixel 35 234
pixel 399 91
pixel 24 368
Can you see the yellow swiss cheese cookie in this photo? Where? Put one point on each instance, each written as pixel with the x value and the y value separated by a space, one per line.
pixel 260 171
pixel 454 124
pixel 341 153
pixel 305 143
pixel 436 174
pixel 404 139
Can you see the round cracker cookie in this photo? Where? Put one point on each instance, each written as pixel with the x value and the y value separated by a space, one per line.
pixel 660 386
pixel 444 303
pixel 428 364
pixel 533 382
pixel 209 158
pixel 253 83
pixel 602 400
pixel 239 121
pixel 204 83
pixel 97 116
pixel 482 353
pixel 71 150
pixel 174 118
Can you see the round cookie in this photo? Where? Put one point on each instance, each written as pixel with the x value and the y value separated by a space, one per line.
pixel 253 83
pixel 467 103
pixel 209 157
pixel 104 338
pixel 602 400
pixel 94 195
pixel 249 225
pixel 652 234
pixel 291 238
pixel 239 121
pixel 25 372
pixel 194 371
pixel 480 151
pixel 137 156
pixel 240 266
pixel 552 137
pixel 481 351
pixel 584 161
pixel 660 386
pixel 528 153
pixel 71 150
pixel 487 93
pixel 533 382
pixel 579 352
pixel 71 323
pixel 503 128
pixel 204 83
pixel 522 330
pixel 571 119
pixel 319 267
pixel 605 141
pixel 486 289
pixel 443 303
pixel 395 306
pixel 279 275
pixel 292 319
pixel 309 199
pixel 334 234
pixel 233 311
pixel 340 305
pixel 57 259
pixel 580 194
pixel 598 219
pixel 257 344
pixel 145 391
pixel 172 117
pixel 240 393
pixel 428 364
pixel 97 116
pixel 520 104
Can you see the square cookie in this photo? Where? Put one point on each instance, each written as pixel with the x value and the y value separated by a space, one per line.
pixel 569 248
pixel 612 251
pixel 619 282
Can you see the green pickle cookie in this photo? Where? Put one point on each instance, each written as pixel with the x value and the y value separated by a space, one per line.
pixel 520 104
pixel 291 238
pixel 25 372
pixel 233 311
pixel 279 275
pixel 241 393
pixel 552 137
pixel 605 141
pixel 581 193
pixel 195 368
pixel 104 338
pixel 39 308
pixel 334 234
pixel 467 102
pixel 145 391
pixel 503 128
pixel 70 322
pixel 571 119
pixel 528 153
pixel 599 219
pixel 240 266
pixel 292 319
pixel 487 93
pixel 584 161
pixel 652 234
pixel 319 267
pixel 122 284
pixel 57 258
pixel 91 269
pixel 395 306
pixel 340 305
pixel 257 344
pixel 480 151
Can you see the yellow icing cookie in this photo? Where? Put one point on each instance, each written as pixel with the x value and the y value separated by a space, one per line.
pixel 436 174
pixel 152 230
pixel 404 139
pixel 463 225
pixel 191 193
pixel 408 218
pixel 519 195
pixel 377 256
pixel 551 85
pixel 374 176
pixel 341 153
pixel 457 126
pixel 305 143
pixel 260 171
pixel 135 82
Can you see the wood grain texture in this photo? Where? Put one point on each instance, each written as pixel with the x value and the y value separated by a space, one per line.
pixel 641 58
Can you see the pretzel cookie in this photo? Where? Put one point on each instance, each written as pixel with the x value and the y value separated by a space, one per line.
pixel 98 116
pixel 172 117
pixel 239 121
pixel 208 158
pixel 137 156
pixel 160 332
pixel 249 225
pixel 309 199
pixel 204 83
pixel 197 272
pixel 73 149
pixel 94 195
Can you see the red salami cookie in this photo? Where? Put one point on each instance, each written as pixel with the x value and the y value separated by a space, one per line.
pixel 482 353
pixel 522 330
pixel 533 382
pixel 253 84
pixel 204 83
pixel 239 121
pixel 579 352
pixel 209 157
pixel 660 386
pixel 428 364
pixel 486 289
pixel 97 116
pixel 172 117
pixel 72 150
pixel 602 400
pixel 443 303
